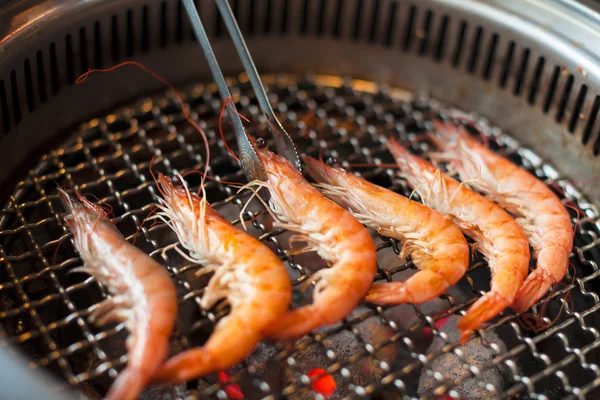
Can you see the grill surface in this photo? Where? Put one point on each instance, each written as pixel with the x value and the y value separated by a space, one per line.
pixel 43 309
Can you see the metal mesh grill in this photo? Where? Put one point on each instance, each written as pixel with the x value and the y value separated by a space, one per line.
pixel 377 352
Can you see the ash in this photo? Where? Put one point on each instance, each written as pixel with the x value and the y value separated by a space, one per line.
pixel 452 367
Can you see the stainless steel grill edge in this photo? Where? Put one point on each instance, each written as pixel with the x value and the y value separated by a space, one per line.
pixel 529 67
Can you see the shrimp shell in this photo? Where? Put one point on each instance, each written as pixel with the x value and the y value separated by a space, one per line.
pixel 246 273
pixel 143 294
pixel 496 234
pixel 435 244
pixel 539 211
pixel 333 233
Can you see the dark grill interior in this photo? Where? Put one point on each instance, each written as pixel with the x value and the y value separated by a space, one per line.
pixel 378 351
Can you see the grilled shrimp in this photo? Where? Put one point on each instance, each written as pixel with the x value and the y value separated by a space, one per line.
pixel 143 294
pixel 246 273
pixel 540 213
pixel 496 234
pixel 435 244
pixel 327 229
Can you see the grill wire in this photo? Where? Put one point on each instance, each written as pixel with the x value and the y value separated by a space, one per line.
pixel 43 309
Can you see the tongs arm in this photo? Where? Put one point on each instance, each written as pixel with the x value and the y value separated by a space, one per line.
pixel 248 158
pixel 283 141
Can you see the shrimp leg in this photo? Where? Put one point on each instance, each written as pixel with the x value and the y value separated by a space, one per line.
pixel 436 245
pixel 540 212
pixel 498 237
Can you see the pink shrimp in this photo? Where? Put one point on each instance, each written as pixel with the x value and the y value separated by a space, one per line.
pixel 143 295
pixel 539 211
pixel 498 237
pixel 435 244
pixel 327 229
pixel 246 273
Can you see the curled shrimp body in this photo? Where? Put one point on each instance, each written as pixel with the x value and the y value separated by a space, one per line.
pixel 496 234
pixel 538 210
pixel 435 244
pixel 333 233
pixel 143 294
pixel 247 274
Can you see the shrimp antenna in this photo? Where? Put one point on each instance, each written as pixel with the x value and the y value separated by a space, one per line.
pixel 105 206
pixel 210 178
pixel 66 236
pixel 223 107
pixel 154 176
pixel 156 76
pixel 312 116
pixel 416 190
pixel 465 183
pixel 255 187
pixel 254 218
pixel 577 210
pixel 153 210
pixel 534 323
pixel 203 204
pixel 438 175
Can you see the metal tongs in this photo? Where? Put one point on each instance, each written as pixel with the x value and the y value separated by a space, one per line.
pixel 251 165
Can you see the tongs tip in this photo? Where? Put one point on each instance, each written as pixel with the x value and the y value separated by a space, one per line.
pixel 285 145
pixel 248 157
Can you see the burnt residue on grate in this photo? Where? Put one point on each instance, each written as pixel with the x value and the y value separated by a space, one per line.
pixel 377 352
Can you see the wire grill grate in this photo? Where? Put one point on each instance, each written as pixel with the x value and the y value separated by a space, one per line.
pixel 377 351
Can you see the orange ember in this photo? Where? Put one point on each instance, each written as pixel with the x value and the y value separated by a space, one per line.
pixel 448 397
pixel 437 324
pixel 233 390
pixel 324 385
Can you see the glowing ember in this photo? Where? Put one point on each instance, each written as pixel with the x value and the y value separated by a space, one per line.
pixel 438 324
pixel 324 385
pixel 233 390
pixel 448 397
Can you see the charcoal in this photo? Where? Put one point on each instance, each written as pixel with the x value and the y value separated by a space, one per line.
pixel 88 392
pixel 344 345
pixel 200 393
pixel 476 353
pixel 163 392
pixel 278 374
pixel 269 373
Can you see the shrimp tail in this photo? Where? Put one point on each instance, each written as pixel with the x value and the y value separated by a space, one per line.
pixel 230 343
pixel 421 287
pixel 141 367
pixel 128 385
pixel 307 318
pixel 485 308
pixel 193 362
pixel 534 288
pixel 388 293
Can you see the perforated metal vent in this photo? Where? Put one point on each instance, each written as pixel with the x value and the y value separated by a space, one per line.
pixel 511 63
